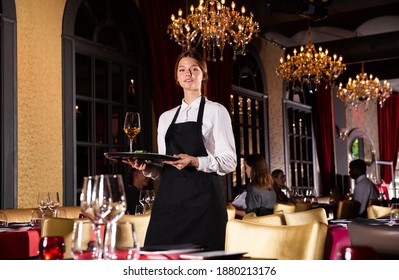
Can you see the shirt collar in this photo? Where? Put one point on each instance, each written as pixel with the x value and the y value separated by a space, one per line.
pixel 361 177
pixel 195 104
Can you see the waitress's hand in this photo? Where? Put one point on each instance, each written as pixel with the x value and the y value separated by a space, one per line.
pixel 136 163
pixel 183 161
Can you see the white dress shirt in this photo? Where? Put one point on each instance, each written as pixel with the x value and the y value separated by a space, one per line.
pixel 217 134
pixel 364 190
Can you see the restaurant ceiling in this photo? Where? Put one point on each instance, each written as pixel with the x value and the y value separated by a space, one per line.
pixel 359 30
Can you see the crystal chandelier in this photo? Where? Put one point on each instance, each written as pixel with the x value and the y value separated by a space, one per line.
pixel 310 66
pixel 364 89
pixel 215 25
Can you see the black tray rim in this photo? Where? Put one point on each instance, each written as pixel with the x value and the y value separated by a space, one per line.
pixel 152 157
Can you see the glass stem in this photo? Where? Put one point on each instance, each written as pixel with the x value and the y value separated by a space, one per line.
pixel 97 231
pixel 131 145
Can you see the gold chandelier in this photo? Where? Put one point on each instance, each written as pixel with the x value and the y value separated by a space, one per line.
pixel 363 89
pixel 215 25
pixel 310 66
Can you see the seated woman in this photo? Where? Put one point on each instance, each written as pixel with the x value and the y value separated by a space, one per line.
pixel 282 191
pixel 261 195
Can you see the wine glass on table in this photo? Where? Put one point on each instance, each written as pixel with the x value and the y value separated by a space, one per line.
pixel 151 196
pixel 144 198
pixel 109 202
pixel 86 206
pixel 42 203
pixel 132 126
pixel 53 202
pixel 119 205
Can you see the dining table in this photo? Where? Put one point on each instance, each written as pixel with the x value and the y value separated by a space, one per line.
pixel 19 242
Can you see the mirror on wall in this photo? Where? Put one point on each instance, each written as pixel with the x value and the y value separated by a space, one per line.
pixel 360 146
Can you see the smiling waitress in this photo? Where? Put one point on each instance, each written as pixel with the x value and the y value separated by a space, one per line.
pixel 190 205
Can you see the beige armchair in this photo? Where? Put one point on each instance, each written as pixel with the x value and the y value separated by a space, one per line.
pixel 376 211
pixel 281 208
pixel 302 242
pixel 140 224
pixel 305 217
pixel 271 220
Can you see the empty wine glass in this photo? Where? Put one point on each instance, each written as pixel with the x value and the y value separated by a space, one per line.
pixel 42 202
pixel 119 204
pixel 86 206
pixel 102 197
pixel 151 196
pixel 144 198
pixel 53 202
pixel 132 126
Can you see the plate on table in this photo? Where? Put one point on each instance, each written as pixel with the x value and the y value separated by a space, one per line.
pixel 18 225
pixel 148 157
pixel 213 255
pixel 167 252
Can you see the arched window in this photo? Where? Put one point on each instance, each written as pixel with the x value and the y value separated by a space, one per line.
pixel 249 113
pixel 104 51
pixel 8 107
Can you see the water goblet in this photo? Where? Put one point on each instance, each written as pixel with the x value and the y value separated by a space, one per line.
pixel 85 244
pixel 51 248
pixel 3 220
pixel 121 242
pixel 132 127
pixel 36 219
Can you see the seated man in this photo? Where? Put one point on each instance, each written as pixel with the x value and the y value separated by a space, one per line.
pixel 364 188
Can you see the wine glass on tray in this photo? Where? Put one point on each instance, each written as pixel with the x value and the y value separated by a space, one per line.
pixel 132 126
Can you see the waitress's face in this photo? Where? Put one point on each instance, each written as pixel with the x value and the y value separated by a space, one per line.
pixel 189 74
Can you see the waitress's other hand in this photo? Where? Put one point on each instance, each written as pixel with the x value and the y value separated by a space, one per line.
pixel 136 163
pixel 183 161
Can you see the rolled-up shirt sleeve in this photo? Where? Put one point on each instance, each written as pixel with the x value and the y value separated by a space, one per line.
pixel 219 142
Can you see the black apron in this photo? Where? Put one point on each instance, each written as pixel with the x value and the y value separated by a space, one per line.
pixel 189 207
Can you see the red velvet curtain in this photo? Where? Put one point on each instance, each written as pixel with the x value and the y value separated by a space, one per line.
pixel 388 130
pixel 323 129
pixel 163 53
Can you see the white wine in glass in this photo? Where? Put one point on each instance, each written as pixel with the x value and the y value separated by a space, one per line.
pixel 132 126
